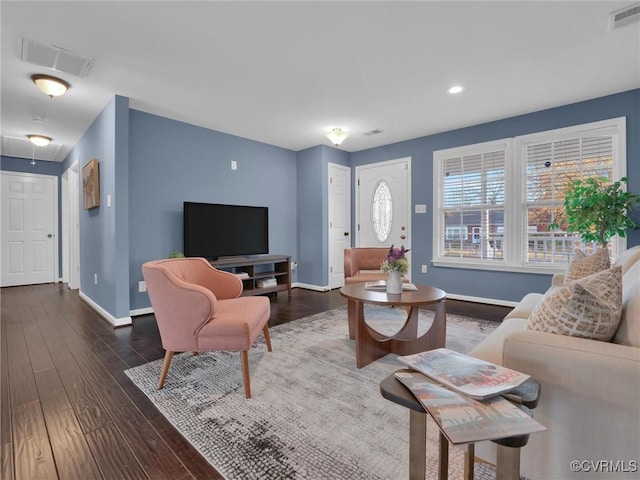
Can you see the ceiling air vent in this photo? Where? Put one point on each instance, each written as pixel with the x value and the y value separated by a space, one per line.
pixel 55 58
pixel 624 16
pixel 376 131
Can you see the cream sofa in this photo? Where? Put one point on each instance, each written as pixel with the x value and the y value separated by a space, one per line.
pixel 590 390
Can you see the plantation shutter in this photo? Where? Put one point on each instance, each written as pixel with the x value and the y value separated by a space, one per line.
pixel 550 167
pixel 472 205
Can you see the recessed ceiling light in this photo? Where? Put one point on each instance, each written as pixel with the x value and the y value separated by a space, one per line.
pixel 455 89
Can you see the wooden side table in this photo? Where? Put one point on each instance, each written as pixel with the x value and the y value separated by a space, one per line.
pixel 508 459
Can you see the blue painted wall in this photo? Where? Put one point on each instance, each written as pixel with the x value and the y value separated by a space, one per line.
pixel 172 162
pixel 104 234
pixel 150 165
pixel 23 165
pixel 313 195
pixel 498 285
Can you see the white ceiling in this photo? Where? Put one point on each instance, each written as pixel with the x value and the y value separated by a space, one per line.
pixel 283 73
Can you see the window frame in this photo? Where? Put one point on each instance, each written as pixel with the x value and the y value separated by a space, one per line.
pixel 515 208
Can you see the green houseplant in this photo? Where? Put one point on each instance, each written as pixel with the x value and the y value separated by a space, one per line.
pixel 598 209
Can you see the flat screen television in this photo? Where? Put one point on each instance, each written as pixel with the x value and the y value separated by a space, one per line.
pixel 213 230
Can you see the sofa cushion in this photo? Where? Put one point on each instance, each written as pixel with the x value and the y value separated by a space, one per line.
pixel 584 265
pixel 525 306
pixel 490 349
pixel 628 258
pixel 628 332
pixel 589 307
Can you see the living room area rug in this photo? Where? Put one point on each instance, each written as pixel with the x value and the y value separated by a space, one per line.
pixel 313 414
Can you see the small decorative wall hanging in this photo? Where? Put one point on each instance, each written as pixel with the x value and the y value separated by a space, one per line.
pixel 91 184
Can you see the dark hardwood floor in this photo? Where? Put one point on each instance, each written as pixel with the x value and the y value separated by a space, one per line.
pixel 68 411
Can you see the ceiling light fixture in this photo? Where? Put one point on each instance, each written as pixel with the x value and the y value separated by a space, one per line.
pixel 49 85
pixel 337 136
pixel 455 89
pixel 39 140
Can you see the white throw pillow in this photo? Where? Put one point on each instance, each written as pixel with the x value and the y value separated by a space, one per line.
pixel 583 265
pixel 589 307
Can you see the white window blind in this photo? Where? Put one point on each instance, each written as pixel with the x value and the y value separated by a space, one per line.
pixel 472 198
pixel 550 166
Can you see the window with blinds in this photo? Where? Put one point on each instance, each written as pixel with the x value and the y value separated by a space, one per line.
pixel 493 207
pixel 550 166
pixel 472 198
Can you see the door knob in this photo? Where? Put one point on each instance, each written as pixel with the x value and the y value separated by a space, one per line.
pixel 346 234
pixel 402 237
pixel 50 236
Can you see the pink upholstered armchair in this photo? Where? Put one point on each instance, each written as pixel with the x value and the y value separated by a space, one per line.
pixel 199 308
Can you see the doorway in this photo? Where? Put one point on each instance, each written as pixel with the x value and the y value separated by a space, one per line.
pixel 339 207
pixel 383 204
pixel 29 224
pixel 71 227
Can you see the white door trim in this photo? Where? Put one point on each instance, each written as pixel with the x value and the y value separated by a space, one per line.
pixel 56 236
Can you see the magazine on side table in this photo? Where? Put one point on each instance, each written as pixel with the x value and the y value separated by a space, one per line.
pixel 382 285
pixel 470 376
pixel 465 420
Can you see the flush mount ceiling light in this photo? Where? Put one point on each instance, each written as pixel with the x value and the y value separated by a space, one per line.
pixel 39 140
pixel 337 136
pixel 49 85
pixel 455 89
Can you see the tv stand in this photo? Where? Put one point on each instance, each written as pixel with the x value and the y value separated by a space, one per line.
pixel 254 270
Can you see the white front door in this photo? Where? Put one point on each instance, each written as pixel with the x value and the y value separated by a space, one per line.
pixel 383 196
pixel 339 221
pixel 29 219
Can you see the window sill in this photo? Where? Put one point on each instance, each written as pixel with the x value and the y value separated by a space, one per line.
pixel 470 265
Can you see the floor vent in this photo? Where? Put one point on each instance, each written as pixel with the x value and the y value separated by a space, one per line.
pixel 376 131
pixel 624 16
pixel 55 58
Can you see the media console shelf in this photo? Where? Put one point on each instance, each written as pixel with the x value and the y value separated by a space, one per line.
pixel 254 270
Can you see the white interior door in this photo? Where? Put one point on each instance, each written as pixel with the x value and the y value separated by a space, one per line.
pixel 74 227
pixel 383 209
pixel 339 221
pixel 70 228
pixel 29 219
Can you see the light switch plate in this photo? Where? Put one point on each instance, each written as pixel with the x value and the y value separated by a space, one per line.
pixel 421 208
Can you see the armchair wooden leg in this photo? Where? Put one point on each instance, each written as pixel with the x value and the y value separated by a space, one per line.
pixel 165 368
pixel 244 359
pixel 267 337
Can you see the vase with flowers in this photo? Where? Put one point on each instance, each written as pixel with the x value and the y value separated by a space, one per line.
pixel 395 265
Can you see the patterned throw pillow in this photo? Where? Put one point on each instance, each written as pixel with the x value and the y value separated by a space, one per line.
pixel 583 265
pixel 589 307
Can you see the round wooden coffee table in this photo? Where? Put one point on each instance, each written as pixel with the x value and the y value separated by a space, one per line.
pixel 371 344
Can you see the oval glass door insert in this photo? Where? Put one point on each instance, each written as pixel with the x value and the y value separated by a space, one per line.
pixel 382 212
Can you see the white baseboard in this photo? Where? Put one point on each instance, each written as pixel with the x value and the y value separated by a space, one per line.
pixel 141 311
pixel 308 286
pixel 116 322
pixel 489 301
pixel 317 288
